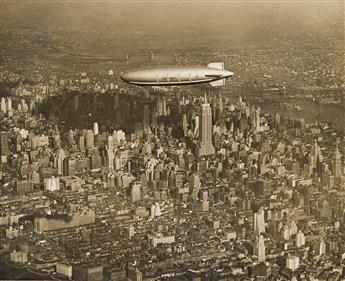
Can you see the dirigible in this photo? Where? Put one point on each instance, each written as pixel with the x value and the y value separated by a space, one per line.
pixel 213 73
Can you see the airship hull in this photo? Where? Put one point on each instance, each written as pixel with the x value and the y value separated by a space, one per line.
pixel 175 75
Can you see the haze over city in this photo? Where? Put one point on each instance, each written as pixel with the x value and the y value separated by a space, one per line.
pixel 172 140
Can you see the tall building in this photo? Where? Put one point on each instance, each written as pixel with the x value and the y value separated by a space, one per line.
pixel 69 168
pixel 300 239
pixel 337 163
pixel 184 124
pixel 95 161
pixel 81 143
pixel 161 106
pixel 3 106
pixel 9 104
pixel 83 272
pixel 131 231
pixel 18 142
pixel 60 160
pixel 322 247
pixel 24 186
pixel 134 274
pixel 95 129
pixel 259 249
pixel 206 146
pixel 52 184
pixel 316 154
pixel 4 150
pixel 194 182
pixel 259 222
pixel 146 119
pixel 110 158
pixel 70 138
pixel 292 262
pixel 90 139
pixel 135 192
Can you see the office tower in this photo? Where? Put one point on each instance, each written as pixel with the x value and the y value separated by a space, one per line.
pixel 293 228
pixel 110 156
pixel 9 104
pixel 32 105
pixel 69 167
pixel 206 147
pixel 3 107
pixel 300 239
pixel 70 138
pixel 95 161
pixel 292 262
pixel 259 249
pixel 155 211
pixel 52 184
pixel 184 124
pixel 161 106
pixel 81 143
pixel 286 232
pixel 95 129
pixel 257 124
pixel 4 149
pixel 110 142
pixel 24 186
pixel 119 136
pixel 337 163
pixel 259 222
pixel 196 126
pixel 220 104
pixel 110 152
pixel 59 161
pixel 84 272
pixel 135 191
pixel 277 121
pixel 194 182
pixel 131 231
pixel 18 142
pixel 322 247
pixel 90 140
pixel 146 119
pixel 316 156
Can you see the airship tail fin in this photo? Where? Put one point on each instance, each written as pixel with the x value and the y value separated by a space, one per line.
pixel 217 83
pixel 216 65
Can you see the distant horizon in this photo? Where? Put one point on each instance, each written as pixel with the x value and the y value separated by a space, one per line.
pixel 100 27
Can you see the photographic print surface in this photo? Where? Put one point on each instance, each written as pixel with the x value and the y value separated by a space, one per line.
pixel 172 140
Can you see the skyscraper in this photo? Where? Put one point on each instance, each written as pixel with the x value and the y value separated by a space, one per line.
pixel 3 106
pixel 300 239
pixel 95 129
pixel 90 139
pixel 259 249
pixel 135 191
pixel 81 143
pixel 206 147
pixel 146 119
pixel 4 150
pixel 69 167
pixel 259 222
pixel 337 163
pixel 59 161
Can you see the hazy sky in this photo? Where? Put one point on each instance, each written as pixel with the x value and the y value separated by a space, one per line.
pixel 239 20
pixel 167 14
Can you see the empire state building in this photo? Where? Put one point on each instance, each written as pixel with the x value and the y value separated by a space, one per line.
pixel 206 147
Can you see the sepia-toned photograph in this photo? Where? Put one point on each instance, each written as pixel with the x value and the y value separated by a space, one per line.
pixel 171 140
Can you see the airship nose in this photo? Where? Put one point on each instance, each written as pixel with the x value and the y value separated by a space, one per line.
pixel 124 77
